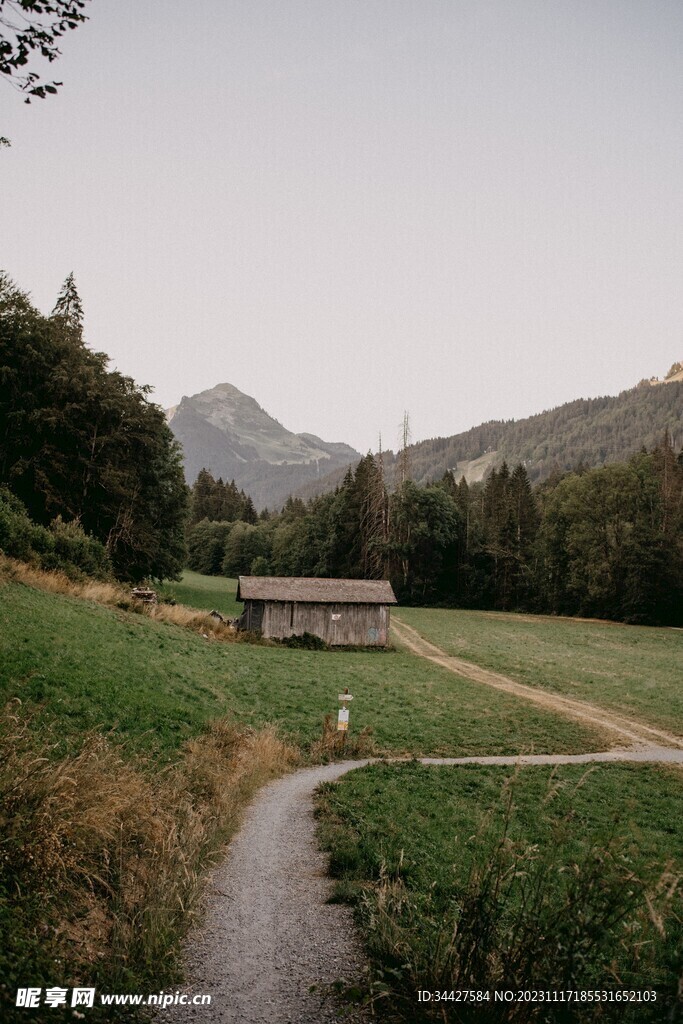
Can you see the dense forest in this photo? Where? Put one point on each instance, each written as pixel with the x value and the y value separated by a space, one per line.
pixel 81 445
pixel 590 432
pixel 604 542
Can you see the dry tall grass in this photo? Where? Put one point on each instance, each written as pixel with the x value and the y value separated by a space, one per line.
pixel 113 851
pixel 334 745
pixel 114 595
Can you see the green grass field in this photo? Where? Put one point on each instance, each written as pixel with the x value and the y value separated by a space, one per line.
pixel 637 670
pixel 205 592
pixel 427 817
pixel 149 686
pixel 424 828
pixel 154 685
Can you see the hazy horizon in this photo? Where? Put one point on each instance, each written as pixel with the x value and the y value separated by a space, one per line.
pixel 467 210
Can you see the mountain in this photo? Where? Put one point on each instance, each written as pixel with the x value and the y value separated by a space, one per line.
pixel 587 431
pixel 228 433
pixel 232 436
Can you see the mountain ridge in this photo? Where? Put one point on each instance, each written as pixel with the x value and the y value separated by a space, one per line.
pixel 586 431
pixel 230 434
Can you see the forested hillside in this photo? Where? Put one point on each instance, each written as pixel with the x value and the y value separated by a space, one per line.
pixel 588 432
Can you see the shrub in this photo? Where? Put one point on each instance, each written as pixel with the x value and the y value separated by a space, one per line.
pixel 16 528
pixel 305 642
pixel 65 546
pixel 72 546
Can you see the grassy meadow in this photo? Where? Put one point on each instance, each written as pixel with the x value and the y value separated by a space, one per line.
pixel 130 745
pixel 152 685
pixel 482 877
pixel 636 670
pixel 205 592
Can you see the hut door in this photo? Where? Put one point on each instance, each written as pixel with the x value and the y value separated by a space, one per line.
pixel 256 618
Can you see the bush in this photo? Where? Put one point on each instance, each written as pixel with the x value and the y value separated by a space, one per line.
pixel 65 546
pixel 15 527
pixel 305 642
pixel 72 546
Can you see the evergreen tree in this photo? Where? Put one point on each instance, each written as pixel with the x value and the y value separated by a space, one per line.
pixel 69 308
pixel 248 513
pixel 231 507
pixel 203 497
pixel 424 531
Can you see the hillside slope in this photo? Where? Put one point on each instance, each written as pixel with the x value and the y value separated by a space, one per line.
pixel 591 431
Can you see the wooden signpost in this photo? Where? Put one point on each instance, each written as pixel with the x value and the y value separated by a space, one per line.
pixel 343 716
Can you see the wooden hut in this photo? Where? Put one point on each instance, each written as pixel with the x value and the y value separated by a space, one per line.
pixel 341 612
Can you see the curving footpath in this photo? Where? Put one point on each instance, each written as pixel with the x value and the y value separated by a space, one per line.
pixel 270 945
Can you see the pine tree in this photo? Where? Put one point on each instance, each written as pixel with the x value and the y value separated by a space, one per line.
pixel 69 308
pixel 203 491
pixel 373 521
pixel 248 512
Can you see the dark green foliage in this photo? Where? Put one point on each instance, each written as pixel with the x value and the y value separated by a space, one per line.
pixel 206 546
pixel 304 642
pixel 359 518
pixel 69 308
pixel 425 523
pixel 84 443
pixel 588 431
pixel 215 508
pixel 19 537
pixel 606 543
pixel 63 546
pixel 611 542
pixel 245 543
pixel 508 530
pixel 216 501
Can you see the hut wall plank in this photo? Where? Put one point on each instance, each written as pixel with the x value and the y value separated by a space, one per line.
pixel 361 624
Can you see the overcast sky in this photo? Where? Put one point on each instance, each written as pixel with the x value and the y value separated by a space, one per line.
pixel 469 209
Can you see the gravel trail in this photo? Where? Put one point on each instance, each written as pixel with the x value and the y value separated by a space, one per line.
pixel 270 945
pixel 269 935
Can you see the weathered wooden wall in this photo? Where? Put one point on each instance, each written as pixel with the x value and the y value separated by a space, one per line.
pixel 365 625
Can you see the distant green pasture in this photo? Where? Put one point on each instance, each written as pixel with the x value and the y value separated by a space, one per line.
pixel 637 670
pixel 205 592
pixel 153 685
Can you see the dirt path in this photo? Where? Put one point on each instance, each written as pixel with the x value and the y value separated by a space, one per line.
pixel 627 728
pixel 269 934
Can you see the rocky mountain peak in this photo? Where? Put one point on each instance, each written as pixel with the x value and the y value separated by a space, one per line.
pixel 228 433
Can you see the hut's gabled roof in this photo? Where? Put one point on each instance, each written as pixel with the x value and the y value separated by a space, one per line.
pixel 297 588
